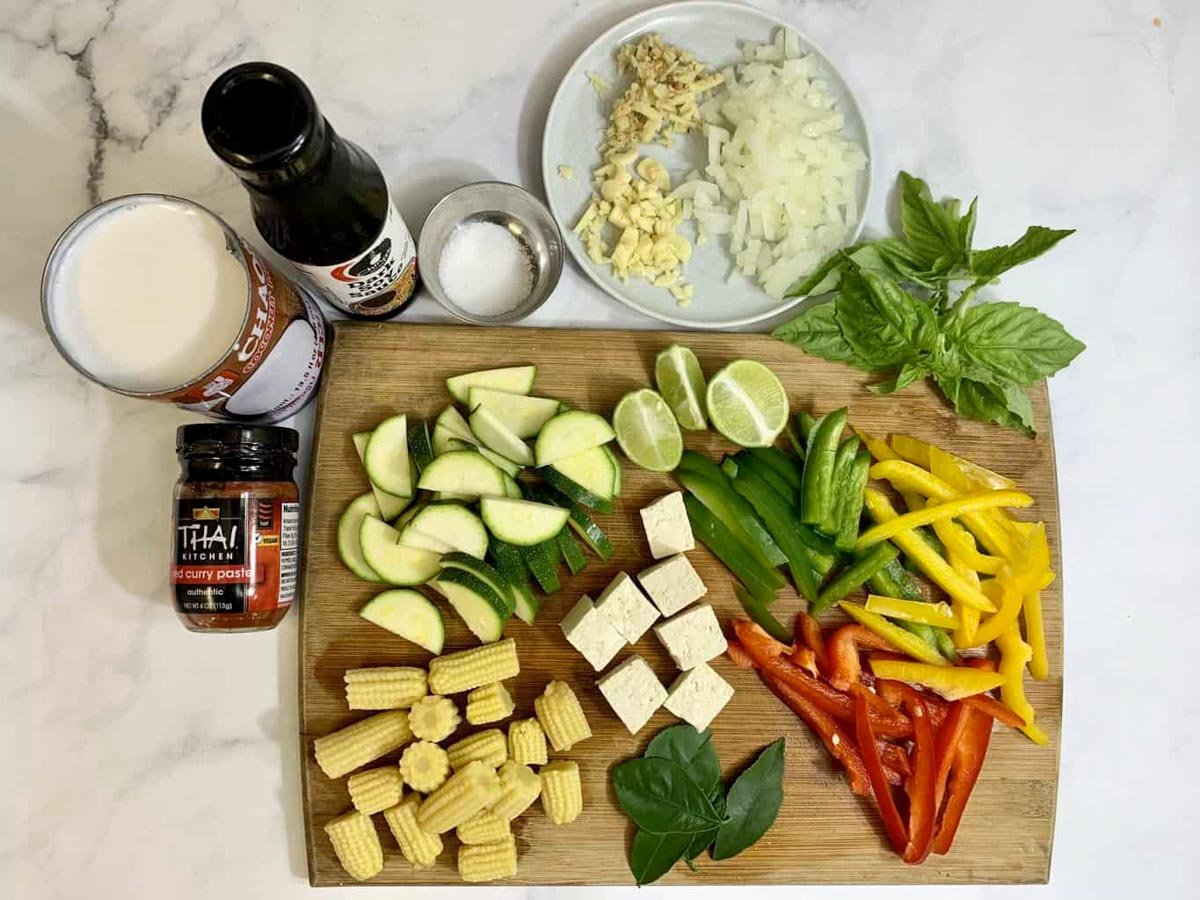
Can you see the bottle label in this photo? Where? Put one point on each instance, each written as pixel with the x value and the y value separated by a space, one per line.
pixel 235 554
pixel 378 281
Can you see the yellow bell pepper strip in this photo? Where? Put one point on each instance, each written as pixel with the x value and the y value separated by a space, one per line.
pixel 894 635
pixel 938 615
pixel 882 453
pixel 951 682
pixel 1010 608
pixel 911 449
pixel 959 542
pixel 927 560
pixel 967 616
pixel 964 475
pixel 995 534
pixel 950 509
pixel 1014 654
pixel 1035 632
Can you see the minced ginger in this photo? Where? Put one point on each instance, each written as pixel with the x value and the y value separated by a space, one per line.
pixel 662 101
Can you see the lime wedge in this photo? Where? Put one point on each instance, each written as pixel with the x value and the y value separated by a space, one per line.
pixel 747 403
pixel 647 431
pixel 681 383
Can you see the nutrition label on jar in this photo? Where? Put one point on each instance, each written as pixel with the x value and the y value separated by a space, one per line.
pixel 289 552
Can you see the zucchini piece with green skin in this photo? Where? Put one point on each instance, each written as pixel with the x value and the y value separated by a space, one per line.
pixel 390 505
pixel 510 379
pixel 579 520
pixel 409 614
pixel 482 610
pixel 542 562
pixel 572 553
pixel 760 580
pixel 348 536
pixel 592 469
pixel 527 605
pixel 571 433
pixel 768 474
pixel 386 457
pixel 778 461
pixel 394 562
pixel 616 464
pixel 512 569
pixel 484 572
pixel 777 515
pixel 761 615
pixel 523 523
pixel 893 580
pixel 420 450
pixel 852 501
pixel 499 438
pixel 462 472
pixel 522 415
pixel 576 492
pixel 735 514
pixel 816 487
pixel 855 576
pixel 453 525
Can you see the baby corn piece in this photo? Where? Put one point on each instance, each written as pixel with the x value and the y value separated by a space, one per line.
pixel 489 747
pixel 458 672
pixel 345 750
pixel 468 791
pixel 490 703
pixel 519 786
pixel 375 790
pixel 424 766
pixel 527 743
pixel 561 716
pixel 384 687
pixel 485 828
pixel 420 847
pixel 433 718
pixel 356 845
pixel 487 862
pixel 562 793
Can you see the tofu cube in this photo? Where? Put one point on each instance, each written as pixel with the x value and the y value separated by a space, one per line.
pixel 672 584
pixel 627 608
pixel 667 527
pixel 589 631
pixel 692 637
pixel 697 696
pixel 633 691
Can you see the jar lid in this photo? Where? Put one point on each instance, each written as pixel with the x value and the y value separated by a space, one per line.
pixel 271 437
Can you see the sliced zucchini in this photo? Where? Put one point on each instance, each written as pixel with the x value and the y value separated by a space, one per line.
pixel 407 515
pixel 496 436
pixel 451 419
pixel 527 604
pixel 509 563
pixel 593 470
pixel 445 440
pixel 420 451
pixel 512 488
pixel 583 524
pixel 483 572
pixel 386 457
pixel 572 553
pixel 349 523
pixel 463 472
pixel 409 614
pixel 451 497
pixel 542 562
pixel 410 537
pixel 524 416
pixel 569 434
pixel 616 464
pixel 390 505
pixel 454 525
pixel 481 608
pixel 396 563
pixel 508 467
pixel 522 523
pixel 511 380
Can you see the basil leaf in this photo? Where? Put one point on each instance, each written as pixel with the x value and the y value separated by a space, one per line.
pixel 988 264
pixel 753 803
pixel 966 229
pixel 1013 342
pixel 908 374
pixel 815 331
pixel 876 255
pixel 651 856
pixel 660 797
pixel 930 229
pixel 884 325
pixel 823 279
pixel 1005 404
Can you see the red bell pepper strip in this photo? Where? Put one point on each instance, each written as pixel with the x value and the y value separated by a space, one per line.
pixel 813 638
pixel 990 706
pixel 892 823
pixel 948 738
pixel 805 659
pixel 896 764
pixel 845 666
pixel 969 753
pixel 837 741
pixel 922 810
pixel 738 656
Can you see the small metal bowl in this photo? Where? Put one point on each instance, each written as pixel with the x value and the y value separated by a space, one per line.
pixel 507 205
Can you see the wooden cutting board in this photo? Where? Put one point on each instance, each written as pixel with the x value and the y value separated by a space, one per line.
pixel 823 833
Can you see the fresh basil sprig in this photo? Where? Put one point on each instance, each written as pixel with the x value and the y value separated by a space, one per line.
pixel 903 310
pixel 676 796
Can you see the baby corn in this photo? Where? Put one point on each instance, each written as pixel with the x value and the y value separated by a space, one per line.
pixel 485 828
pixel 561 716
pixel 375 790
pixel 519 787
pixel 489 747
pixel 458 672
pixel 424 766
pixel 385 687
pixel 490 703
pixel 420 847
pixel 527 743
pixel 562 793
pixel 487 862
pixel 356 745
pixel 467 792
pixel 356 845
pixel 433 718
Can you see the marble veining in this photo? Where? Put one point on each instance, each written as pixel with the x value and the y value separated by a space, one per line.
pixel 138 759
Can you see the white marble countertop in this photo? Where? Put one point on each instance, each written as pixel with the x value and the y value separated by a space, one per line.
pixel 138 759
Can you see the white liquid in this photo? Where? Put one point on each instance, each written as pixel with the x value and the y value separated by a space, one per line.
pixel 149 298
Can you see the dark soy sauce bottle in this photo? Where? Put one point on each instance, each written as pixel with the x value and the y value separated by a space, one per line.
pixel 318 200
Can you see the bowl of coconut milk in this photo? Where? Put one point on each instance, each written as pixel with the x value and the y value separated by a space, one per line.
pixel 490 253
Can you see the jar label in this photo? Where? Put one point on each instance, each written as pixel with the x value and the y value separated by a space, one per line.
pixel 378 281
pixel 235 555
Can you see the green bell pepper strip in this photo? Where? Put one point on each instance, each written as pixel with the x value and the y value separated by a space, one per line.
pixel 761 616
pixel 729 467
pixel 691 461
pixel 735 514
pixel 852 501
pixel 767 473
pixel 781 523
pixel 777 460
pixel 854 576
pixel 843 463
pixel 760 580
pixel 797 443
pixel 817 485
pixel 806 423
pixel 893 580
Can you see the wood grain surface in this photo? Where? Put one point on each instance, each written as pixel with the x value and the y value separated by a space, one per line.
pixel 823 833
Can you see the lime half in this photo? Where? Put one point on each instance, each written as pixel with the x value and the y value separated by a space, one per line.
pixel 681 383
pixel 747 403
pixel 647 431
